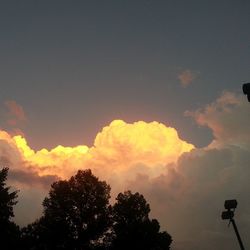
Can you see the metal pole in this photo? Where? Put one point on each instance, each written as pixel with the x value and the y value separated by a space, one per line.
pixel 237 234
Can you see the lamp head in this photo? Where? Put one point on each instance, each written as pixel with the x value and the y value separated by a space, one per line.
pixel 230 204
pixel 227 215
pixel 246 90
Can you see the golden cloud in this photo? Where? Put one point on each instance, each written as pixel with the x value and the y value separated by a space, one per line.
pixel 180 183
pixel 116 148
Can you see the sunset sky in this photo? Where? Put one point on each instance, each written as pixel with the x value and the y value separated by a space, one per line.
pixel 145 93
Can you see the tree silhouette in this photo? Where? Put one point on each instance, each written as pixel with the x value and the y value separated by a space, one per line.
pixel 132 227
pixel 76 214
pixel 9 231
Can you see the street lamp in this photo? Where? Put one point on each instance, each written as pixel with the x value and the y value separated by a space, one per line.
pixel 230 206
pixel 246 90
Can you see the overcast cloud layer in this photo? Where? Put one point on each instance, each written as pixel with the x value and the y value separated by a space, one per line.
pixel 186 189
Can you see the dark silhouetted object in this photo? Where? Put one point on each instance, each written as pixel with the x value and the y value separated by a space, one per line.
pixel 132 227
pixel 246 90
pixel 76 215
pixel 9 231
pixel 231 205
pixel 227 215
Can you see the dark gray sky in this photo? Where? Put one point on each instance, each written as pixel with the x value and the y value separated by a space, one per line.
pixel 74 66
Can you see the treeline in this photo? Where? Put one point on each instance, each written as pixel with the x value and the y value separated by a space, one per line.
pixel 77 215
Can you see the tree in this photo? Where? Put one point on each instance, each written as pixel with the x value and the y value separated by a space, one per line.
pixel 132 227
pixel 9 231
pixel 76 214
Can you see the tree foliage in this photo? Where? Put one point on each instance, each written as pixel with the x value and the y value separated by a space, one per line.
pixel 9 236
pixel 132 227
pixel 76 214
pixel 7 198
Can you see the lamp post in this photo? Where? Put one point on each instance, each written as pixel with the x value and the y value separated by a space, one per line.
pixel 230 206
pixel 246 90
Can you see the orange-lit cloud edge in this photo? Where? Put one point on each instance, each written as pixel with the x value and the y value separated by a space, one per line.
pixel 186 190
pixel 117 147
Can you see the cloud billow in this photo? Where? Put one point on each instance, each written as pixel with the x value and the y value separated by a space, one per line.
pixel 186 186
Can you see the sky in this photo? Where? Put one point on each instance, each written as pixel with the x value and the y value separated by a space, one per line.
pixel 145 93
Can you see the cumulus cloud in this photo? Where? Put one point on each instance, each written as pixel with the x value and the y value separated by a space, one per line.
pixel 118 147
pixel 188 198
pixel 25 178
pixel 186 186
pixel 120 151
pixel 186 77
pixel 227 117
